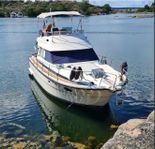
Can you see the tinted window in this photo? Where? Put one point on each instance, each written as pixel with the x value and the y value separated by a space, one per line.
pixel 71 56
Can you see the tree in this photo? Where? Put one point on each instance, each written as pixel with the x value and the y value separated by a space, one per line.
pixel 2 14
pixel 84 7
pixel 146 7
pixel 107 8
pixel 30 12
pixel 153 7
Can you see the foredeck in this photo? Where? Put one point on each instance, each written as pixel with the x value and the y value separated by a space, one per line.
pixel 54 76
pixel 62 76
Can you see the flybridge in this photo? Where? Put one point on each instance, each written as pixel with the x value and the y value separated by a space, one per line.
pixel 53 29
pixel 58 13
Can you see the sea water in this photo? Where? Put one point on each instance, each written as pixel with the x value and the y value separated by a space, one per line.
pixel 26 109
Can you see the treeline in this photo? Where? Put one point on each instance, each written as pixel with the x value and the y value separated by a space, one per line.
pixel 32 9
pixel 147 8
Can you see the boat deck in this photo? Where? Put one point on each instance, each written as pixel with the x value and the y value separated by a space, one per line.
pixel 61 74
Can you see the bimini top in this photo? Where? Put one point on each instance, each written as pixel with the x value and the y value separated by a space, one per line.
pixel 58 13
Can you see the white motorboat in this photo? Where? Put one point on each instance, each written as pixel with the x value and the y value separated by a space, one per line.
pixel 67 67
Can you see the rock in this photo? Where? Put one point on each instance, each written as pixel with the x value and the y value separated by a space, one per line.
pixel 91 139
pixel 65 139
pixel 131 124
pixel 5 145
pixel 112 126
pixel 99 146
pixel 65 147
pixel 1 139
pixel 77 145
pixel 134 134
pixel 20 145
pixel 47 137
pixel 91 142
pixel 151 117
pixel 20 139
pixel 56 138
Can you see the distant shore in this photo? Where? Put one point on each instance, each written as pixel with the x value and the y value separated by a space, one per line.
pixel 142 15
pixel 32 9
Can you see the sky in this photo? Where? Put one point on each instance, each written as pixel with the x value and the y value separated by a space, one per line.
pixel 122 3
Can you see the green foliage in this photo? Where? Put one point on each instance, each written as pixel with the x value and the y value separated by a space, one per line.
pixel 84 7
pixel 153 7
pixel 106 8
pixel 147 8
pixel 2 14
pixel 32 9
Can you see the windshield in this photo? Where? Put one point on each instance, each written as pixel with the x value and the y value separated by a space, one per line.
pixel 75 56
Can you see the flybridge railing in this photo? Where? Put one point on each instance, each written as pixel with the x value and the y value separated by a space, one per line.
pixel 60 32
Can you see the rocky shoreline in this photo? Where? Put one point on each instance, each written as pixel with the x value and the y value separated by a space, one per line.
pixel 47 141
pixel 134 134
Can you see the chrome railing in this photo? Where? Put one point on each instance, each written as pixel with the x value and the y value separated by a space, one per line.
pixel 84 73
pixel 59 32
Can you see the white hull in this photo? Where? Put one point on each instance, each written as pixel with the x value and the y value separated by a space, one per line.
pixel 67 67
pixel 89 97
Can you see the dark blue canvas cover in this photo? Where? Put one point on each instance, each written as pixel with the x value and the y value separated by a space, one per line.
pixel 75 56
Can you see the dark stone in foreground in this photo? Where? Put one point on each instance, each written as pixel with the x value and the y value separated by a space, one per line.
pixel 43 141
pixel 134 134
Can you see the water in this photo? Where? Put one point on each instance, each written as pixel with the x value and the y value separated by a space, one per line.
pixel 77 122
pixel 23 103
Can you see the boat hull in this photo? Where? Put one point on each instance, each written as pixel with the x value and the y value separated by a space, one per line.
pixel 80 96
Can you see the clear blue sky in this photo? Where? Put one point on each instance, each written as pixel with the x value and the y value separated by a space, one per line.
pixel 122 3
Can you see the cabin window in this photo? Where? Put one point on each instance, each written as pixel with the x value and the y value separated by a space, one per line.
pixel 74 56
pixel 41 52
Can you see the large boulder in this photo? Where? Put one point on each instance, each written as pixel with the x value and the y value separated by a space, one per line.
pixel 134 134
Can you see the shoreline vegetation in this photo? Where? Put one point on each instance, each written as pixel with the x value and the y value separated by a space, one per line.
pixel 32 9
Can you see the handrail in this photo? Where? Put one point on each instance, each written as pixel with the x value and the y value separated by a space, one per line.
pixel 59 32
pixel 90 72
pixel 84 72
pixel 113 86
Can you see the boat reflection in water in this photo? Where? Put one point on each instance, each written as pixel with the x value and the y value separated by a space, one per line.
pixel 76 122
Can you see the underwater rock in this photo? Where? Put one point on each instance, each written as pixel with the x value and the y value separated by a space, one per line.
pixel 76 145
pixel 20 145
pixel 112 126
pixel 91 142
